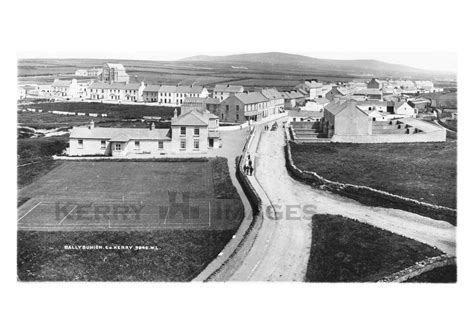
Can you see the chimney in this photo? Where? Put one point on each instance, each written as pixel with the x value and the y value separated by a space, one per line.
pixel 175 113
pixel 152 126
pixel 91 124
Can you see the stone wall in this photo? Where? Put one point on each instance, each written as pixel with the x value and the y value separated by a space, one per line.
pixel 368 194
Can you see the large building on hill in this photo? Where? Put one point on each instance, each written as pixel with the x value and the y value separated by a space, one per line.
pixel 194 132
pixel 114 73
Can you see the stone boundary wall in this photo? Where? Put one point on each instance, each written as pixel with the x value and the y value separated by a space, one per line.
pixel 250 235
pixel 364 192
pixel 419 268
pixel 435 136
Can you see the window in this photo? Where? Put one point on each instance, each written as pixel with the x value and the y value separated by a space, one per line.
pixel 160 144
pixel 118 147
pixel 226 108
pixel 237 108
pixel 102 144
pixel 183 130
pixel 137 144
pixel 196 144
pixel 236 116
pixel 182 144
pixel 80 144
pixel 196 131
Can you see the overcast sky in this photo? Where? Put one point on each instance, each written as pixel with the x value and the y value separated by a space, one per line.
pixel 435 60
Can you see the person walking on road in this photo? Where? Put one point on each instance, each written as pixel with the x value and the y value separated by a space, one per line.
pixel 250 169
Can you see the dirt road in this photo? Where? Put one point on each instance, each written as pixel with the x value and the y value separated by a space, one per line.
pixel 282 247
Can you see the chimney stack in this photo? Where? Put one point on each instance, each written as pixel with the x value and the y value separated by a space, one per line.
pixel 175 113
pixel 91 124
pixel 152 126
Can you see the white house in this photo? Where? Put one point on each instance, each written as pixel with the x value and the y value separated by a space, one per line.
pixel 404 109
pixel 194 132
pixel 65 89
pixel 119 92
pixel 222 92
pixel 175 95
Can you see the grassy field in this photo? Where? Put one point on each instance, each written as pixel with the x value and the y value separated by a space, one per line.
pixel 112 110
pixel 422 171
pixel 188 212
pixel 346 250
pixel 34 157
pixel 52 121
pixel 197 195
pixel 445 274
pixel 443 100
pixel 178 255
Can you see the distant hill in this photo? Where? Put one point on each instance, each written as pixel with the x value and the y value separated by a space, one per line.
pixel 360 66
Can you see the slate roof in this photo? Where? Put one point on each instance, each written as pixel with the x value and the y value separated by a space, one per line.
pixel 115 86
pixel 193 118
pixel 251 97
pixel 115 66
pixel 313 84
pixel 228 88
pixel 152 88
pixel 368 91
pixel 181 89
pixel 120 134
pixel 336 107
pixel 271 94
pixel 61 83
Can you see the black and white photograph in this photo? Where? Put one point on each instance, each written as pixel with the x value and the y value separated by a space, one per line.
pixel 245 167
pixel 222 156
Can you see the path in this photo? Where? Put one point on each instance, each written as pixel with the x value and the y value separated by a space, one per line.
pixel 282 247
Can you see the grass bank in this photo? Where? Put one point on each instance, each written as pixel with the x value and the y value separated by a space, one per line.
pixel 346 250
pixel 421 171
pixel 445 274
pixel 178 255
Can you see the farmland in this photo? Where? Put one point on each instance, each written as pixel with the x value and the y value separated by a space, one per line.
pixel 346 250
pixel 187 211
pixel 422 171
pixel 255 75
pixel 115 111
pixel 34 157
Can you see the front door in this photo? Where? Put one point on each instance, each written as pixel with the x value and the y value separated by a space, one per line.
pixel 211 143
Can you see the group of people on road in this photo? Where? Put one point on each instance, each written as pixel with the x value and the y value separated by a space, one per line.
pixel 248 167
